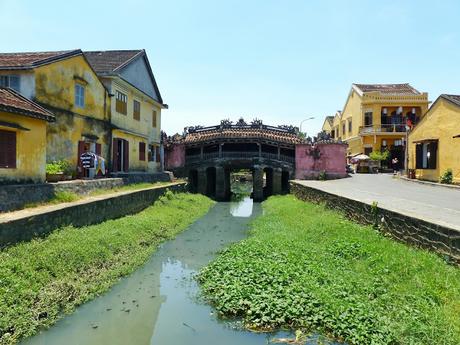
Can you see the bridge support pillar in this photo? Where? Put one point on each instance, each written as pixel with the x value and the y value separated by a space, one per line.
pixel 202 181
pixel 258 184
pixel 277 173
pixel 222 184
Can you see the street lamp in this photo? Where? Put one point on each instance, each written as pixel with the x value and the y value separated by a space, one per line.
pixel 300 127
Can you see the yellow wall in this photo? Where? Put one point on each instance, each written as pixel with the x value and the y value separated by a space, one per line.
pixel 55 86
pixel 355 108
pixel 442 123
pixel 145 125
pixel 327 126
pixel 134 163
pixel 30 149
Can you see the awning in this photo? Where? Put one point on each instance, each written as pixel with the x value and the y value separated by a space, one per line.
pixel 13 125
pixel 424 141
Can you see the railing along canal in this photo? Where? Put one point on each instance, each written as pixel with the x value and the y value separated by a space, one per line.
pixel 239 155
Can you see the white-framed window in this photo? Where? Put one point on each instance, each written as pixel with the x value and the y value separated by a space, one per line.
pixel 11 81
pixel 79 95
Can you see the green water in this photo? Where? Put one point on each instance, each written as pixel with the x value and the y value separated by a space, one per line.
pixel 159 303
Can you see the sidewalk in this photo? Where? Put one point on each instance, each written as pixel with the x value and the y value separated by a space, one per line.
pixel 427 202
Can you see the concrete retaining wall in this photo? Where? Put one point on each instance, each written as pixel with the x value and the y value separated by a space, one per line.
pixel 14 197
pixel 410 230
pixel 33 223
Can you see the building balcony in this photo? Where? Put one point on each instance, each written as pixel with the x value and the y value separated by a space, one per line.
pixel 397 129
pixel 239 155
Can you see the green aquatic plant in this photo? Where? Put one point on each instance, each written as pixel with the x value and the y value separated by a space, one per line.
pixel 307 267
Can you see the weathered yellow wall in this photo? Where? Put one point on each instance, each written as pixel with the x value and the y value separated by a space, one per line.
pixel 64 134
pixel 30 150
pixel 441 122
pixel 134 163
pixel 55 86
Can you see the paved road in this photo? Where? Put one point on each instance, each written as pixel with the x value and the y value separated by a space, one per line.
pixel 435 204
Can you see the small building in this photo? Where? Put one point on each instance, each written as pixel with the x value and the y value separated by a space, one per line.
pixel 136 106
pixel 22 138
pixel 328 125
pixel 64 83
pixel 375 116
pixel 434 144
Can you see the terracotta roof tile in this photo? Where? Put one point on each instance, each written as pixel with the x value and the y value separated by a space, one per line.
pixel 32 59
pixel 106 62
pixel 13 102
pixel 245 133
pixel 453 98
pixel 393 89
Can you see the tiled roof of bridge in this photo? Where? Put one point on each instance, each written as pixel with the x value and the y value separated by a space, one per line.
pixel 243 133
pixel 12 102
pixel 388 89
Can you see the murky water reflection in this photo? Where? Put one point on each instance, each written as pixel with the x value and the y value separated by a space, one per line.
pixel 158 303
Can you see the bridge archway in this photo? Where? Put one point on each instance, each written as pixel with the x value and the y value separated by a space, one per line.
pixel 211 182
pixel 193 180
pixel 285 177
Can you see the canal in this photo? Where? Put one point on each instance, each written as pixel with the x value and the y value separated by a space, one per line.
pixel 159 303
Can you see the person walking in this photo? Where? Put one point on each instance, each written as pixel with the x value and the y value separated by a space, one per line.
pixel 394 163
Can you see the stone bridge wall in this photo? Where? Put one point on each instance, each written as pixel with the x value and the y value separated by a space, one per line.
pixel 410 230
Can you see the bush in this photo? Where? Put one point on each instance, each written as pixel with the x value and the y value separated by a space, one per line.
pixel 64 196
pixel 57 167
pixel 379 156
pixel 447 177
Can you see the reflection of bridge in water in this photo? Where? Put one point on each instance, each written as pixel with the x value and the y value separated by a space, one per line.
pixel 208 155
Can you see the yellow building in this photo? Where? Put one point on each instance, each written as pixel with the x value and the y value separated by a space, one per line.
pixel 22 138
pixel 375 116
pixel 434 144
pixel 64 83
pixel 136 106
pixel 328 125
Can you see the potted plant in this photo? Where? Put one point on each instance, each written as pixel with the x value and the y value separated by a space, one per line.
pixel 58 171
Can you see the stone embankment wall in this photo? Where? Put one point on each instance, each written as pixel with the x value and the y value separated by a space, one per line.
pixel 407 229
pixel 27 224
pixel 14 197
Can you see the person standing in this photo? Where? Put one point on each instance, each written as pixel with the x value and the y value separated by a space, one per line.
pixel 394 163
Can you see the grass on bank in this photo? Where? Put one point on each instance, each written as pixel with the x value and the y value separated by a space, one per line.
pixel 66 196
pixel 306 267
pixel 43 278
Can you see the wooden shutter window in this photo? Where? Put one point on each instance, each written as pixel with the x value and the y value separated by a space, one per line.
pixel 7 149
pixel 136 110
pixel 142 151
pixel 115 166
pixel 433 150
pixel 121 103
pixel 419 156
pixel 157 149
pixel 125 155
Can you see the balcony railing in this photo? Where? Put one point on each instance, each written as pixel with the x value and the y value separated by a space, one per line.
pixel 376 129
pixel 239 155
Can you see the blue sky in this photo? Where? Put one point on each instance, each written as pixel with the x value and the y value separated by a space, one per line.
pixel 281 61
